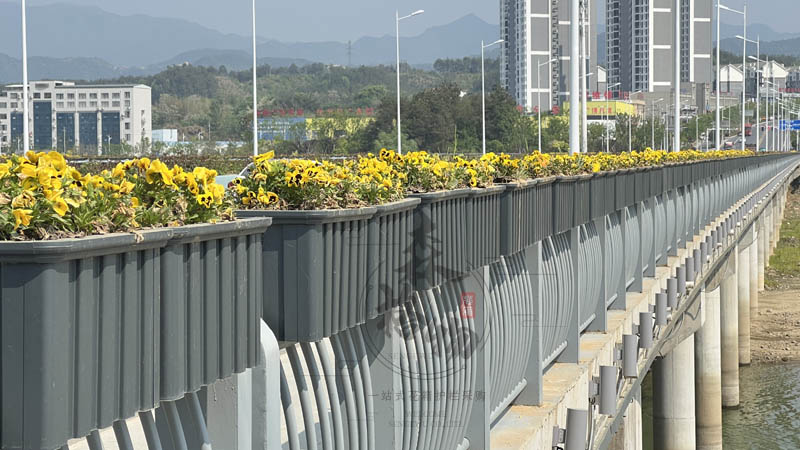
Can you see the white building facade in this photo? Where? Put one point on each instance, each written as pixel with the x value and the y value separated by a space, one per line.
pixel 64 116
pixel 641 35
pixel 536 31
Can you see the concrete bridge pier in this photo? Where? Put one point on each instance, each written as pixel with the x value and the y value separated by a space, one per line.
pixel 729 331
pixel 762 250
pixel 743 278
pixel 708 373
pixel 753 272
pixel 674 399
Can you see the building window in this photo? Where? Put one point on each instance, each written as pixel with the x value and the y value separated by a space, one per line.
pixel 127 95
pixel 127 114
pixel 59 104
pixel 13 104
pixel 93 104
pixel 59 96
pixel 128 137
pixel 71 104
pixel 127 125
pixel 115 104
pixel 3 105
pixel 71 96
pixel 93 95
pixel 105 95
pixel 82 96
pixel 115 95
pixel 48 95
pixel 104 104
pixel 128 103
pixel 37 95
pixel 82 104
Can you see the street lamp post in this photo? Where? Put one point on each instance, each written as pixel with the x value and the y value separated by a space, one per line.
pixel 608 137
pixel 483 89
pixel 630 120
pixel 539 96
pixel 574 76
pixel 653 123
pixel 397 28
pixel 255 86
pixel 758 91
pixel 584 113
pixel 677 75
pixel 25 137
pixel 720 7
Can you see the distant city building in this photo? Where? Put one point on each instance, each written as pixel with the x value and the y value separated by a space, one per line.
pixel 65 116
pixel 641 43
pixel 534 32
pixel 168 136
pixel 730 79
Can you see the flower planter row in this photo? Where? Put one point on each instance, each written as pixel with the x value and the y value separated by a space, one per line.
pixel 98 328
pixel 328 271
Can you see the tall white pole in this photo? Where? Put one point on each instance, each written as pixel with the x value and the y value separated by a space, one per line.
pixel 539 100
pixel 677 76
pixel 630 131
pixel 584 81
pixel 25 137
pixel 758 95
pixel 653 127
pixel 574 77
pixel 718 119
pixel 397 28
pixel 608 138
pixel 255 86
pixel 744 78
pixel 483 95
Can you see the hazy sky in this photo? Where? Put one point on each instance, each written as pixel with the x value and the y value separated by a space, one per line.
pixel 340 20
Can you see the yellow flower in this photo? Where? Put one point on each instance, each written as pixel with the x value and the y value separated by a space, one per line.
pixel 135 202
pixel 22 217
pixel 60 206
pixel 264 157
pixel 5 168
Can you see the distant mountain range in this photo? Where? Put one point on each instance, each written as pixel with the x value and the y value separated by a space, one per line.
pixel 85 42
pixel 788 47
pixel 88 43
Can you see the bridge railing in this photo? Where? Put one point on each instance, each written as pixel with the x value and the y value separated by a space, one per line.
pixel 412 325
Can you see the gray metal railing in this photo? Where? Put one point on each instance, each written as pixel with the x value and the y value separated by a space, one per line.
pixel 499 285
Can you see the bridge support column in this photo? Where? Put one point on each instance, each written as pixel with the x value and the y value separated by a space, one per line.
pixel 743 278
pixel 674 399
pixel 754 273
pixel 762 250
pixel 708 373
pixel 729 331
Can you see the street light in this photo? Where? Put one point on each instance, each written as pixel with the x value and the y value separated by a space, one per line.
pixel 720 7
pixel 758 93
pixel 539 96
pixel 608 94
pixel 630 120
pixel 397 27
pixel 483 88
pixel 653 123
pixel 584 113
pixel 255 86
pixel 25 138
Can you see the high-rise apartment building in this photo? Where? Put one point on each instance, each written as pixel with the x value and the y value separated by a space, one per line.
pixel 641 41
pixel 65 116
pixel 536 31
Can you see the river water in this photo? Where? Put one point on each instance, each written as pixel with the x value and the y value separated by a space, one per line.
pixel 768 417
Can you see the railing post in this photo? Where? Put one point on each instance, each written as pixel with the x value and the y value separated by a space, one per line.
pixel 620 302
pixel 479 423
pixel 383 353
pixel 532 394
pixel 638 280
pixel 600 322
pixel 571 352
